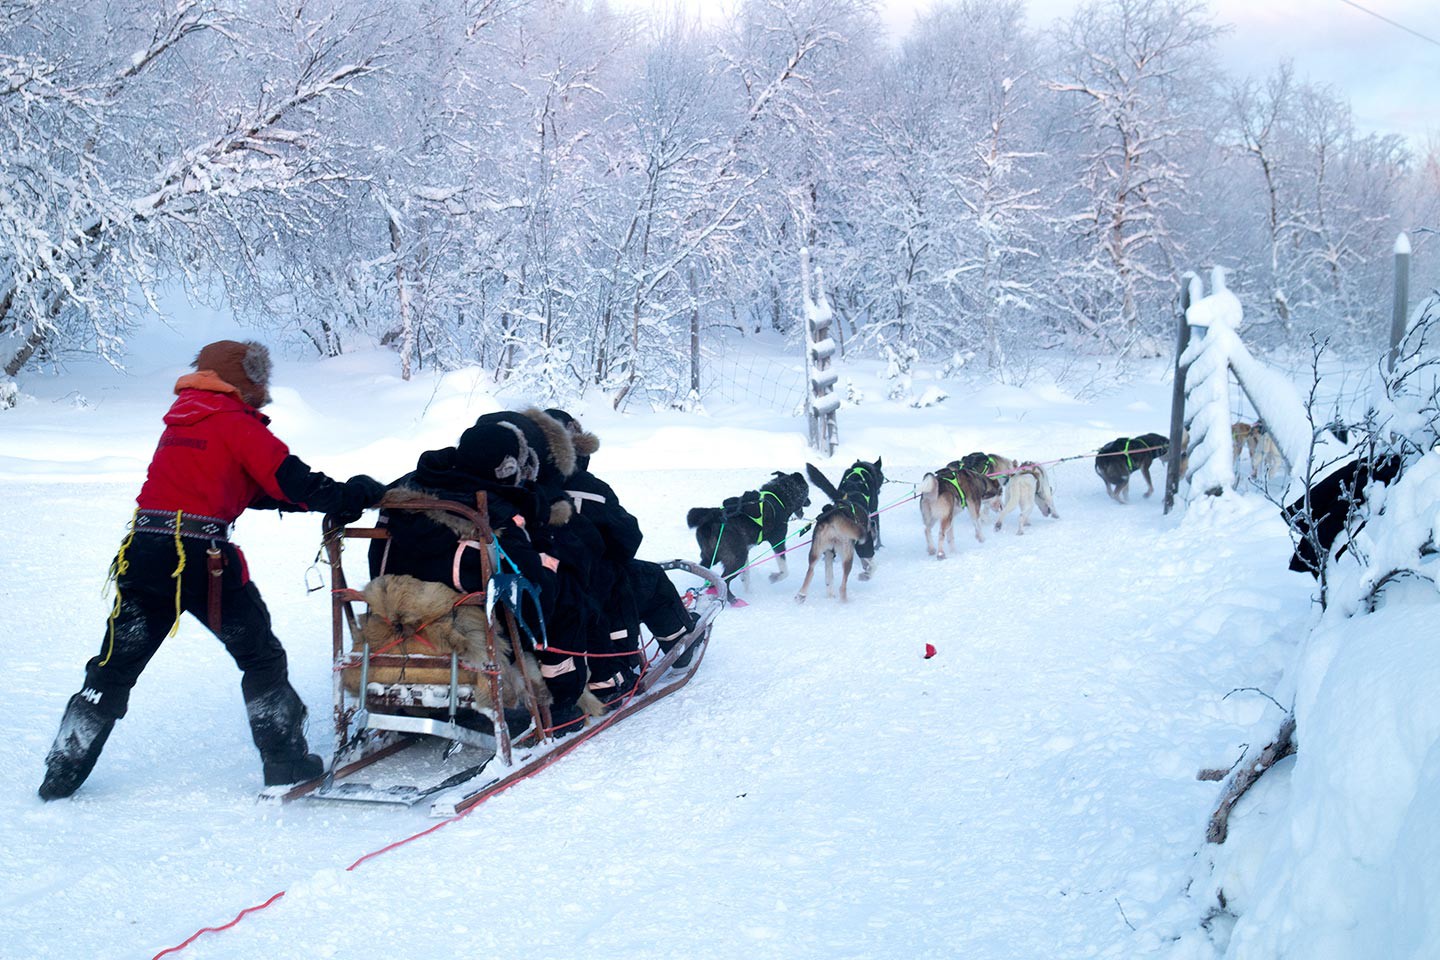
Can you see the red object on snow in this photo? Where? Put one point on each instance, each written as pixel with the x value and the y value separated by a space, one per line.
pixel 929 650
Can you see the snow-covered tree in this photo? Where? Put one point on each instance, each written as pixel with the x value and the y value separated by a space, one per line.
pixel 1137 71
pixel 146 141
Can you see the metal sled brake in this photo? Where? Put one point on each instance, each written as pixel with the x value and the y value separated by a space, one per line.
pixel 409 725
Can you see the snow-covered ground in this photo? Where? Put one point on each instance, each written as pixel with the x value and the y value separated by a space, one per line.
pixel 819 790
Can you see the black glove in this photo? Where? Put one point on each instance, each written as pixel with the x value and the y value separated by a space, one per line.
pixel 312 490
pixel 359 494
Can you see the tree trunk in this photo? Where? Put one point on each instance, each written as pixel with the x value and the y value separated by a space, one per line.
pixel 694 334
pixel 407 323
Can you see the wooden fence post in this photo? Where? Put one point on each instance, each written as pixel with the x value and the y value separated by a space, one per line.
pixel 1402 297
pixel 820 402
pixel 1177 398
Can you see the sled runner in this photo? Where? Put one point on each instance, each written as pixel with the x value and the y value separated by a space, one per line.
pixel 452 709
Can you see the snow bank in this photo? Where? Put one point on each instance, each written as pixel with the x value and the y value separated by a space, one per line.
pixel 1335 856
pixel 1334 852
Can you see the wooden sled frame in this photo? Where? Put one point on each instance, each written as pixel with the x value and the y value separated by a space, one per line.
pixel 366 733
pixel 369 709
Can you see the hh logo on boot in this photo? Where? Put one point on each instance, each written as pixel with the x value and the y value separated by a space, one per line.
pixel 91 695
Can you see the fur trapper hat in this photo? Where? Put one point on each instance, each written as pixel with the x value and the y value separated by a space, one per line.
pixel 498 450
pixel 245 366
pixel 585 443
pixel 555 450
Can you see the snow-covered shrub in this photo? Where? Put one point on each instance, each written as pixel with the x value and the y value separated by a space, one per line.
pixel 1336 852
pixel 899 360
pixel 854 396
pixel 929 398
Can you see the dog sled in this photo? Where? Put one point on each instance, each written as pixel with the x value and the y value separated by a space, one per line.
pixel 447 711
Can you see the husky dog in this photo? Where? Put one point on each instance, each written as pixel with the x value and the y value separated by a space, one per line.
pixel 991 466
pixel 982 476
pixel 1026 488
pixel 940 496
pixel 847 526
pixel 1264 453
pixel 1241 438
pixel 1121 457
pixel 726 534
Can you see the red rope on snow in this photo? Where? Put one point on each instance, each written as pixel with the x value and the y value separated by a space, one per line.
pixel 383 850
pixel 559 752
pixel 238 917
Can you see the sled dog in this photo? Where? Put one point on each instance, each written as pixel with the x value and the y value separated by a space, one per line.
pixel 1122 456
pixel 1026 488
pixel 847 526
pixel 1256 440
pixel 725 534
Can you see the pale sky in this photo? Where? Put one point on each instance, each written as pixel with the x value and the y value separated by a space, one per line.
pixel 1391 77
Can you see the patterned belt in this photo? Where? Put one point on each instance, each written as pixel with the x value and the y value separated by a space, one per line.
pixel 192 525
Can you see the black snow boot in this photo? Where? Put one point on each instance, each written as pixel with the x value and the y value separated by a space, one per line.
pixel 566 716
pixel 565 719
pixel 277 722
pixel 83 732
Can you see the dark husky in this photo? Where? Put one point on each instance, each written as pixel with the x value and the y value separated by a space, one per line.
pixel 726 534
pixel 847 526
pixel 1123 456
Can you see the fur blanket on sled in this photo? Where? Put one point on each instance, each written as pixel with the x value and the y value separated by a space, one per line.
pixel 423 617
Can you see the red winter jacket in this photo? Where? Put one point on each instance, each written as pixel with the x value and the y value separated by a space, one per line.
pixel 216 456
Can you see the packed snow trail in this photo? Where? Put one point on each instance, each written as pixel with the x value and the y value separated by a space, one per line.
pixel 818 790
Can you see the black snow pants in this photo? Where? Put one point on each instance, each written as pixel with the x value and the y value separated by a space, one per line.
pixel 147 612
pixel 649 597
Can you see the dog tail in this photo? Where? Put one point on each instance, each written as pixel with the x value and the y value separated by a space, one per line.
pixel 1045 494
pixel 818 478
pixel 701 515
pixel 929 486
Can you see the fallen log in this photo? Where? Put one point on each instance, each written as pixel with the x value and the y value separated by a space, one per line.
pixel 1246 773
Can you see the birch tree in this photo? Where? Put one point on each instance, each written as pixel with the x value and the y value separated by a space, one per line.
pixel 1131 67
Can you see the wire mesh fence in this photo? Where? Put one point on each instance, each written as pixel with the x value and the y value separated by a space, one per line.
pixel 733 378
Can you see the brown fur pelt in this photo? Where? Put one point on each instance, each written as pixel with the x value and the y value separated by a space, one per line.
pixel 406 609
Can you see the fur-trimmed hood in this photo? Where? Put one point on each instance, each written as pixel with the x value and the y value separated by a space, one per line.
pixel 586 443
pixel 454 522
pixel 557 452
pixel 555 445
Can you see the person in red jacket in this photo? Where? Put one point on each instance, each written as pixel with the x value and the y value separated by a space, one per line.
pixel 216 458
